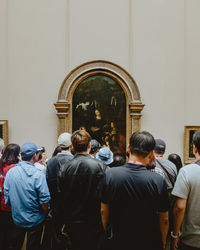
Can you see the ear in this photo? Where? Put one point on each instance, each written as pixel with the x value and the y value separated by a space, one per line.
pixel 128 149
pixel 151 155
pixel 194 150
pixel 89 146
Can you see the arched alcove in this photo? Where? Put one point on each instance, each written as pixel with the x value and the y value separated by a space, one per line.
pixel 89 70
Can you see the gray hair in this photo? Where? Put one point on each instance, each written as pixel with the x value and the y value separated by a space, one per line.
pixel 1 144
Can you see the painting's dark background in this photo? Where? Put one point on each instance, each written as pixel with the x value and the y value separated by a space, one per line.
pixel 105 94
pixel 1 131
pixel 191 133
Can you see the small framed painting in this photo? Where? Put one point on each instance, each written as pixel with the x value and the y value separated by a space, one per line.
pixel 188 143
pixel 4 131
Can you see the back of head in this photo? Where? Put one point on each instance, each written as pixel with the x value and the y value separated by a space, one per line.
pixel 118 160
pixel 57 150
pixel 176 159
pixel 28 150
pixel 95 145
pixel 1 144
pixel 10 154
pixel 80 140
pixel 141 143
pixel 159 147
pixel 64 140
pixel 196 140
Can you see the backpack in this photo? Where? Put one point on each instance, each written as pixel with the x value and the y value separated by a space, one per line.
pixel 2 179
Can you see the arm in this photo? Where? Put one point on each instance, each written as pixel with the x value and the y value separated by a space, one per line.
pixel 6 192
pixel 179 211
pixel 104 214
pixel 45 208
pixel 164 226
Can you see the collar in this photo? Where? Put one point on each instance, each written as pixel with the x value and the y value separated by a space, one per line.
pixel 65 152
pixel 135 162
pixel 27 163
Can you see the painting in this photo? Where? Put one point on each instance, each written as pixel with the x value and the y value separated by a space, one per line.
pixel 188 143
pixel 4 131
pixel 99 107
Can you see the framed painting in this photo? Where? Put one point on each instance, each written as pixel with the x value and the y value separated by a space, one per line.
pixel 188 143
pixel 4 131
pixel 99 107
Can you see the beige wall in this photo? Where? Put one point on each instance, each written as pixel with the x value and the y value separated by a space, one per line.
pixel 157 41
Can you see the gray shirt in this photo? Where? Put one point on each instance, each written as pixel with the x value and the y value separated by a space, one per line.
pixel 187 186
pixel 170 174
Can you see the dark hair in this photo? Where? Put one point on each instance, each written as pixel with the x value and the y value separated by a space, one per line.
pixel 10 154
pixel 40 153
pixel 159 149
pixel 27 158
pixel 57 150
pixel 118 160
pixel 141 143
pixel 176 159
pixel 95 145
pixel 80 140
pixel 196 140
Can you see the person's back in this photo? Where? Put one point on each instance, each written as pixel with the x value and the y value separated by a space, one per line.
pixel 80 185
pixel 186 209
pixel 53 167
pixel 164 167
pixel 26 191
pixel 24 198
pixel 135 197
pixel 80 181
pixel 170 172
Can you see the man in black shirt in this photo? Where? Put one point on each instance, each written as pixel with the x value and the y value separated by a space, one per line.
pixel 80 181
pixel 135 200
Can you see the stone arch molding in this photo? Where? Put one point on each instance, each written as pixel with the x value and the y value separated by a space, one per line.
pixel 134 105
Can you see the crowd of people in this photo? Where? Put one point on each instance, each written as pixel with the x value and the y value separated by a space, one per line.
pixel 86 197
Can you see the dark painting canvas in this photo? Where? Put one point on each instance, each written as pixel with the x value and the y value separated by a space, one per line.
pixel 99 106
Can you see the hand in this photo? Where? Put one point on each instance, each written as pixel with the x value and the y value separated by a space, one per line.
pixel 175 244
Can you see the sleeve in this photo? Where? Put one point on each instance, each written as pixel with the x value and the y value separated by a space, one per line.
pixel 6 190
pixel 163 203
pixel 42 189
pixel 106 189
pixel 181 188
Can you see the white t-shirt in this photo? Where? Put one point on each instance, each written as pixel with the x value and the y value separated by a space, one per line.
pixel 41 167
pixel 187 186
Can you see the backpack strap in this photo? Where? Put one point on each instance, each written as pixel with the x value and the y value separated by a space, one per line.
pixel 169 176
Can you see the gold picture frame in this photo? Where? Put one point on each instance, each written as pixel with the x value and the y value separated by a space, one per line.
pixel 4 131
pixel 188 144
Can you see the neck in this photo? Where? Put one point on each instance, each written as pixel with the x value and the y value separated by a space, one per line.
pixel 197 157
pixel 136 158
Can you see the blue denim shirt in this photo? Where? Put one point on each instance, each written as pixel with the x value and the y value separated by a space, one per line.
pixel 25 189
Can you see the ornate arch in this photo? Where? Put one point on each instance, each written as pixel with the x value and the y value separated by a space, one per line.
pixel 134 105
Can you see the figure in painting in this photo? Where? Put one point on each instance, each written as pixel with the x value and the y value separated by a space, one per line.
pixel 97 128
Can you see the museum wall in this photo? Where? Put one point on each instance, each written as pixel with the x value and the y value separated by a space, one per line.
pixel 192 65
pixel 155 40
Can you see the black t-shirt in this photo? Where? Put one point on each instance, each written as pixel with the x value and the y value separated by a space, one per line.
pixel 135 196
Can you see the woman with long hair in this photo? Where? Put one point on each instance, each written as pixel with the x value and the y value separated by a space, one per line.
pixel 10 157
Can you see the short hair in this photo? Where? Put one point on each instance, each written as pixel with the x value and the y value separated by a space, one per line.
pixel 1 144
pixel 141 143
pixel 80 140
pixel 26 158
pixel 95 145
pixel 196 140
